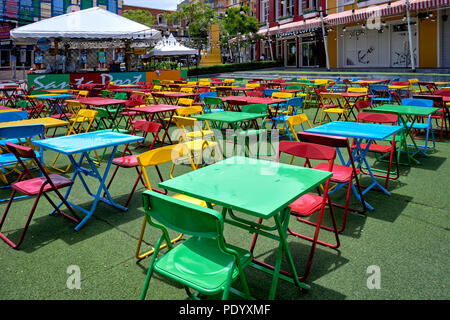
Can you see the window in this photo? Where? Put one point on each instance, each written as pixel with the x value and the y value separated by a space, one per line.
pixel 112 5
pixel 265 11
pixel 289 8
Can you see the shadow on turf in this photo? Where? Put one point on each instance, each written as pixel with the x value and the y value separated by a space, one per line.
pixel 44 229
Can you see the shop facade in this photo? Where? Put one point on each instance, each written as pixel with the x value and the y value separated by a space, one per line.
pixel 362 34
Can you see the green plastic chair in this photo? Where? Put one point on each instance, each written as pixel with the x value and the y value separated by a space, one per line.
pixel 294 80
pixel 106 93
pixel 156 81
pixel 204 262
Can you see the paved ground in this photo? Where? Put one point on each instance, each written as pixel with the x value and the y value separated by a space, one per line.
pixel 365 74
pixel 406 238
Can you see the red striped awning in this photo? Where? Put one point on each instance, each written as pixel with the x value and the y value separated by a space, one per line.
pixel 295 26
pixel 428 4
pixel 382 10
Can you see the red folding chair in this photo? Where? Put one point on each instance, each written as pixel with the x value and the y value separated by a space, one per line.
pixel 342 174
pixel 382 149
pixel 134 101
pixel 130 161
pixel 35 187
pixel 310 203
pixel 319 104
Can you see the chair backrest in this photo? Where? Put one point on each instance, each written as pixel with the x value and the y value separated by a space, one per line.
pixel 417 102
pixel 252 85
pixel 207 94
pixel 357 90
pixel 120 96
pixel 83 93
pixel 22 153
pixel 255 108
pixel 297 120
pixel 445 93
pixel 255 93
pixel 182 216
pixel 160 156
pixel 294 87
pixel 13 116
pixel 157 87
pixel 211 102
pixel 400 83
pixel 282 95
pixel 187 90
pixel 187 111
pixel 380 118
pixel 204 83
pixel 185 102
pixel 268 92
pixel 307 151
pixel 362 104
pixel 327 140
pixel 147 126
pixel 23 104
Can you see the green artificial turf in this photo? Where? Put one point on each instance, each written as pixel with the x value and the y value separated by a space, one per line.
pixel 406 237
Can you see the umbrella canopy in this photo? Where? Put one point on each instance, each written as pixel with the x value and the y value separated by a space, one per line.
pixel 171 47
pixel 92 23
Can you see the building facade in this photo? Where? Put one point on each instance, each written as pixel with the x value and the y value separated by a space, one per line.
pixel 355 33
pixel 16 13
pixel 177 29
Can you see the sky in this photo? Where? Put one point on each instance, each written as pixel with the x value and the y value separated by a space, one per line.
pixel 157 4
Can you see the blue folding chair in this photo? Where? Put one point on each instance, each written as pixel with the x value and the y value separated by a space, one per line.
pixel 427 126
pixel 206 108
pixel 13 116
pixel 22 135
pixel 292 107
pixel 267 93
pixel 380 94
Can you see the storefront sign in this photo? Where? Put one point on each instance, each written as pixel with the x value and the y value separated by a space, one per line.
pixel 140 51
pixel 5 28
pixel 43 44
pixel 48 81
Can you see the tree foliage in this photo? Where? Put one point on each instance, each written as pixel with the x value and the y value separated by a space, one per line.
pixel 141 16
pixel 237 21
pixel 198 17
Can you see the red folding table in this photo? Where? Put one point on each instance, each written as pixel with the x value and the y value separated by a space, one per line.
pixel 161 111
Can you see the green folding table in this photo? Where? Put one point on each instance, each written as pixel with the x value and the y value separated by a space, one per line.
pixel 256 189
pixel 407 115
pixel 232 119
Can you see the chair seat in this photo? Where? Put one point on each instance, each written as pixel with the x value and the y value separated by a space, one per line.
pixel 200 264
pixel 307 204
pixel 32 186
pixel 127 161
pixel 199 134
pixel 334 110
pixel 341 174
pixel 379 148
pixel 60 115
pixel 419 126
pixel 192 200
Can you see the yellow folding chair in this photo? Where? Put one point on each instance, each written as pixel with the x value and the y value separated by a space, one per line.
pixel 154 158
pixel 297 120
pixel 332 103
pixel 197 139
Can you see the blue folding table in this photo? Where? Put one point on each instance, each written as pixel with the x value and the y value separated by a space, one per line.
pixel 360 132
pixel 84 143
pixel 55 102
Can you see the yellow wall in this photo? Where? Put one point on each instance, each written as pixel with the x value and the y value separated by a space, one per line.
pixel 332 48
pixel 428 43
